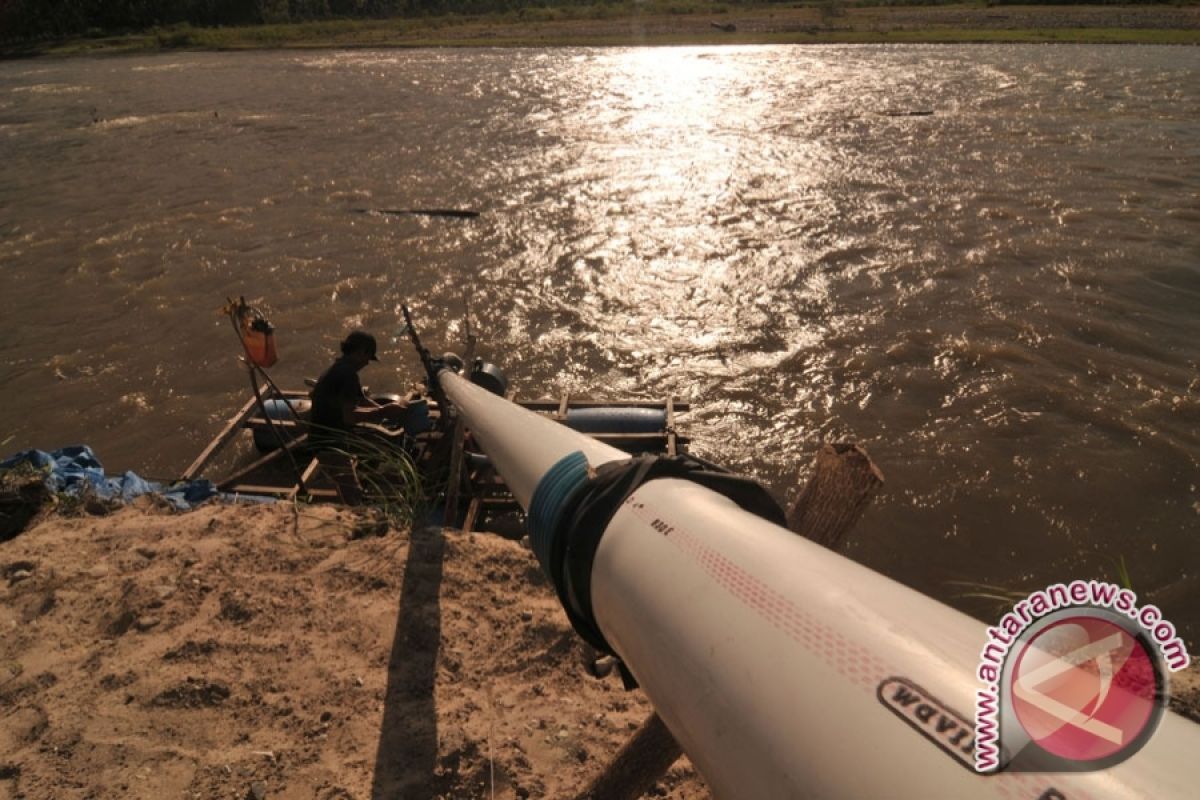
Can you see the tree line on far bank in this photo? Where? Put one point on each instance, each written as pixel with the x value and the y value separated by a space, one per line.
pixel 35 19
pixel 41 18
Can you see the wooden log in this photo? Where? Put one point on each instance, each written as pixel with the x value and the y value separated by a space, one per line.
pixel 843 481
pixel 641 761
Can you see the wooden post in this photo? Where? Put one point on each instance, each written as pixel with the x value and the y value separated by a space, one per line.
pixel 641 761
pixel 843 481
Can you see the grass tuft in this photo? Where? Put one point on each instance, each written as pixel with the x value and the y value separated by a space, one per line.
pixel 393 487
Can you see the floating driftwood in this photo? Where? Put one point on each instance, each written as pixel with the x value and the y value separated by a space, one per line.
pixel 456 213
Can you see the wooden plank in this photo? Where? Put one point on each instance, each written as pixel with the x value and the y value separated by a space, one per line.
pixel 261 462
pixel 472 515
pixel 305 477
pixel 219 441
pixel 310 470
pixel 258 488
pixel 280 491
pixel 257 423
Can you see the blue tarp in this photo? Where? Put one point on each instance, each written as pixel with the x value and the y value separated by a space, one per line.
pixel 76 469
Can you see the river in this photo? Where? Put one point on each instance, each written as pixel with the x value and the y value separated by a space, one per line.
pixel 981 262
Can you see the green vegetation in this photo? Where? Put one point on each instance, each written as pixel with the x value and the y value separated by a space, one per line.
pixel 64 27
pixel 392 485
pixel 393 488
pixel 31 19
pixel 474 33
pixel 999 599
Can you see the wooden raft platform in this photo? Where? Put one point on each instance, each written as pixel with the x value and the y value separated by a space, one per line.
pixel 483 494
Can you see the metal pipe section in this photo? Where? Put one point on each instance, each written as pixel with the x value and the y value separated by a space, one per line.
pixel 782 668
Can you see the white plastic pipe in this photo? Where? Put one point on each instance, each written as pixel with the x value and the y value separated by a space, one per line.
pixel 770 658
pixel 766 655
pixel 522 445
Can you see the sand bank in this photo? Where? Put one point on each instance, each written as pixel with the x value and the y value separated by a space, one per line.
pixel 236 652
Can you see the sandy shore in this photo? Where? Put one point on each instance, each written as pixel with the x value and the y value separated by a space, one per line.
pixel 238 652
pixel 261 652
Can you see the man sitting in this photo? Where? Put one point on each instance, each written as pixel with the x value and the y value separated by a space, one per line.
pixel 339 404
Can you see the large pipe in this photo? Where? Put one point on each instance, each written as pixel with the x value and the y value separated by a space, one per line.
pixel 782 668
pixel 522 445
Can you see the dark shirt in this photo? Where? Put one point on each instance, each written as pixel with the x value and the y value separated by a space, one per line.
pixel 338 386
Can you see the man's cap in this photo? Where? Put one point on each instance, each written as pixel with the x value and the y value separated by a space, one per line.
pixel 360 340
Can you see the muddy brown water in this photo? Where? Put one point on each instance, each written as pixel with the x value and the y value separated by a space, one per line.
pixel 1000 299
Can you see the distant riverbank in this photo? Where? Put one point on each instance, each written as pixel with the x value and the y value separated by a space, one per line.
pixel 594 26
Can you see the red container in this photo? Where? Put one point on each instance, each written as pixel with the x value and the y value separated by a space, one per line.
pixel 259 341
